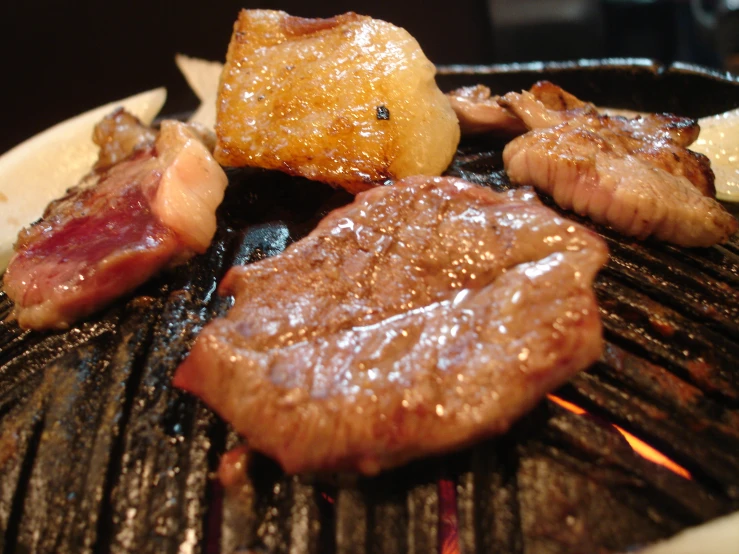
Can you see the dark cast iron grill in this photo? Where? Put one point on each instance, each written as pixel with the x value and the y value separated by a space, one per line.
pixel 98 453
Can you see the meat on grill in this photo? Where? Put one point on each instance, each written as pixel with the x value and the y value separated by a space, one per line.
pixel 682 131
pixel 118 135
pixel 420 318
pixel 350 101
pixel 658 139
pixel 120 226
pixel 478 111
pixel 633 175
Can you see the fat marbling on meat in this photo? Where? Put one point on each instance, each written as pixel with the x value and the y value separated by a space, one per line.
pixel 632 174
pixel 148 205
pixel 420 318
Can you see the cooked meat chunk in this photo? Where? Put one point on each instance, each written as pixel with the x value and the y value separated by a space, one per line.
pixel 677 161
pixel 628 174
pixel 422 317
pixel 118 135
pixel 350 101
pixel 682 131
pixel 556 98
pixel 657 139
pixel 479 112
pixel 586 173
pixel 116 229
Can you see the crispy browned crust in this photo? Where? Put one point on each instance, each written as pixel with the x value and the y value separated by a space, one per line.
pixel 310 98
pixel 118 135
pixel 294 26
pixel 556 98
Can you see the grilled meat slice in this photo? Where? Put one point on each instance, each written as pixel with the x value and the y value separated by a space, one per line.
pixel 561 106
pixel 478 111
pixel 586 173
pixel 547 104
pixel 626 173
pixel 681 131
pixel 120 226
pixel 350 101
pixel 659 139
pixel 422 317
pixel 677 161
pixel 556 98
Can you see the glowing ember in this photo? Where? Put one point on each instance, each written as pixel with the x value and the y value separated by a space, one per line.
pixel 639 446
pixel 448 537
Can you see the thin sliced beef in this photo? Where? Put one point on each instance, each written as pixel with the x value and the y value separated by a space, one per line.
pixel 420 318
pixel 120 226
pixel 478 111
pixel 657 139
pixel 584 172
pixel 682 131
pixel 634 175
pixel 556 98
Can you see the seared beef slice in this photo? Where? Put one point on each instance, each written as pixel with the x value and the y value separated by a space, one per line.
pixel 420 318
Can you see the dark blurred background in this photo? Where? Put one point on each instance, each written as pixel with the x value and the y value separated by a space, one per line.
pixel 62 58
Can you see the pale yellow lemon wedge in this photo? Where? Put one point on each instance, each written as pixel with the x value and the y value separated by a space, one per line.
pixel 202 76
pixel 42 168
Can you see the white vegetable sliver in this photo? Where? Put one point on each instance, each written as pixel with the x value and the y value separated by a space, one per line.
pixel 203 77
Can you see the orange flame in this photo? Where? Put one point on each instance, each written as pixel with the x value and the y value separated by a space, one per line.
pixel 639 446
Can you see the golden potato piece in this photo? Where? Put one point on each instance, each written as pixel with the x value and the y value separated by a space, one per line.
pixel 350 101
